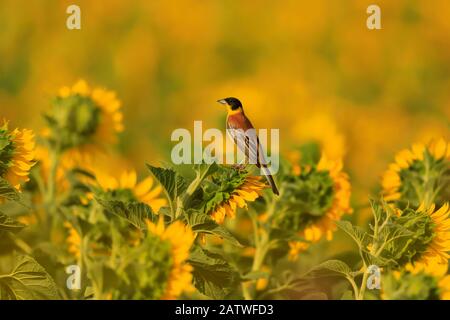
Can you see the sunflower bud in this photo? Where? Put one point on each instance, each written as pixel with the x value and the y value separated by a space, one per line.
pixel 314 196
pixel 231 189
pixel 419 239
pixel 419 174
pixel 83 117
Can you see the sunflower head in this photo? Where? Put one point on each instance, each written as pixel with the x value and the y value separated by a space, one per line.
pixel 314 196
pixel 230 189
pixel 126 188
pixel 420 174
pixel 16 154
pixel 425 239
pixel 159 268
pixel 83 117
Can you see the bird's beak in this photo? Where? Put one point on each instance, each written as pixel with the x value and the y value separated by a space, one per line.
pixel 222 101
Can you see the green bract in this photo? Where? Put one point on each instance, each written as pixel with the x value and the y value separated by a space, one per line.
pixel 145 269
pixel 221 186
pixel 425 180
pixel 73 121
pixel 305 199
pixel 6 149
pixel 418 226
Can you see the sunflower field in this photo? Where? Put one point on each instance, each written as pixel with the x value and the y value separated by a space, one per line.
pixel 92 207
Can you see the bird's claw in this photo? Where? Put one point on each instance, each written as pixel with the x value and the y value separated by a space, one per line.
pixel 239 167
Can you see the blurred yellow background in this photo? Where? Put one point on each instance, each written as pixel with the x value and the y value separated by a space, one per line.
pixel 310 68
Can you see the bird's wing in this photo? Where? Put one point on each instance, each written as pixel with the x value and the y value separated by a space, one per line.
pixel 247 140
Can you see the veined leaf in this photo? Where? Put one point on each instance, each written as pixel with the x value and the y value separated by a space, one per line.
pixel 135 213
pixel 27 281
pixel 8 191
pixel 193 193
pixel 357 234
pixel 202 223
pixel 171 181
pixel 206 169
pixel 330 268
pixel 9 224
pixel 213 276
pixel 203 170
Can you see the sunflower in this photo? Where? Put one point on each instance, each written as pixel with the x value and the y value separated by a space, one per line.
pixel 16 154
pixel 83 118
pixel 420 174
pixel 315 197
pixel 175 242
pixel 247 189
pixel 126 188
pixel 432 255
pixel 73 240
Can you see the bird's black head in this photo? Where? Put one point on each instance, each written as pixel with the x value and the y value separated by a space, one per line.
pixel 233 103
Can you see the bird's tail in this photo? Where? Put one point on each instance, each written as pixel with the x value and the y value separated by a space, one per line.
pixel 269 178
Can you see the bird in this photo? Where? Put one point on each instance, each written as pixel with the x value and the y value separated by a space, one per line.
pixel 236 119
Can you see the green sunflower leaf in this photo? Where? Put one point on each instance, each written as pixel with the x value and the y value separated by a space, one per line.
pixel 173 184
pixel 8 191
pixel 204 170
pixel 213 276
pixel 28 280
pixel 331 268
pixel 135 213
pixel 357 234
pixel 9 224
pixel 202 223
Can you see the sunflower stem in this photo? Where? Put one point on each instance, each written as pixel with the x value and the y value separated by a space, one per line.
pixel 362 290
pixel 261 249
pixel 245 291
pixel 354 286
pixel 375 251
pixel 193 186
